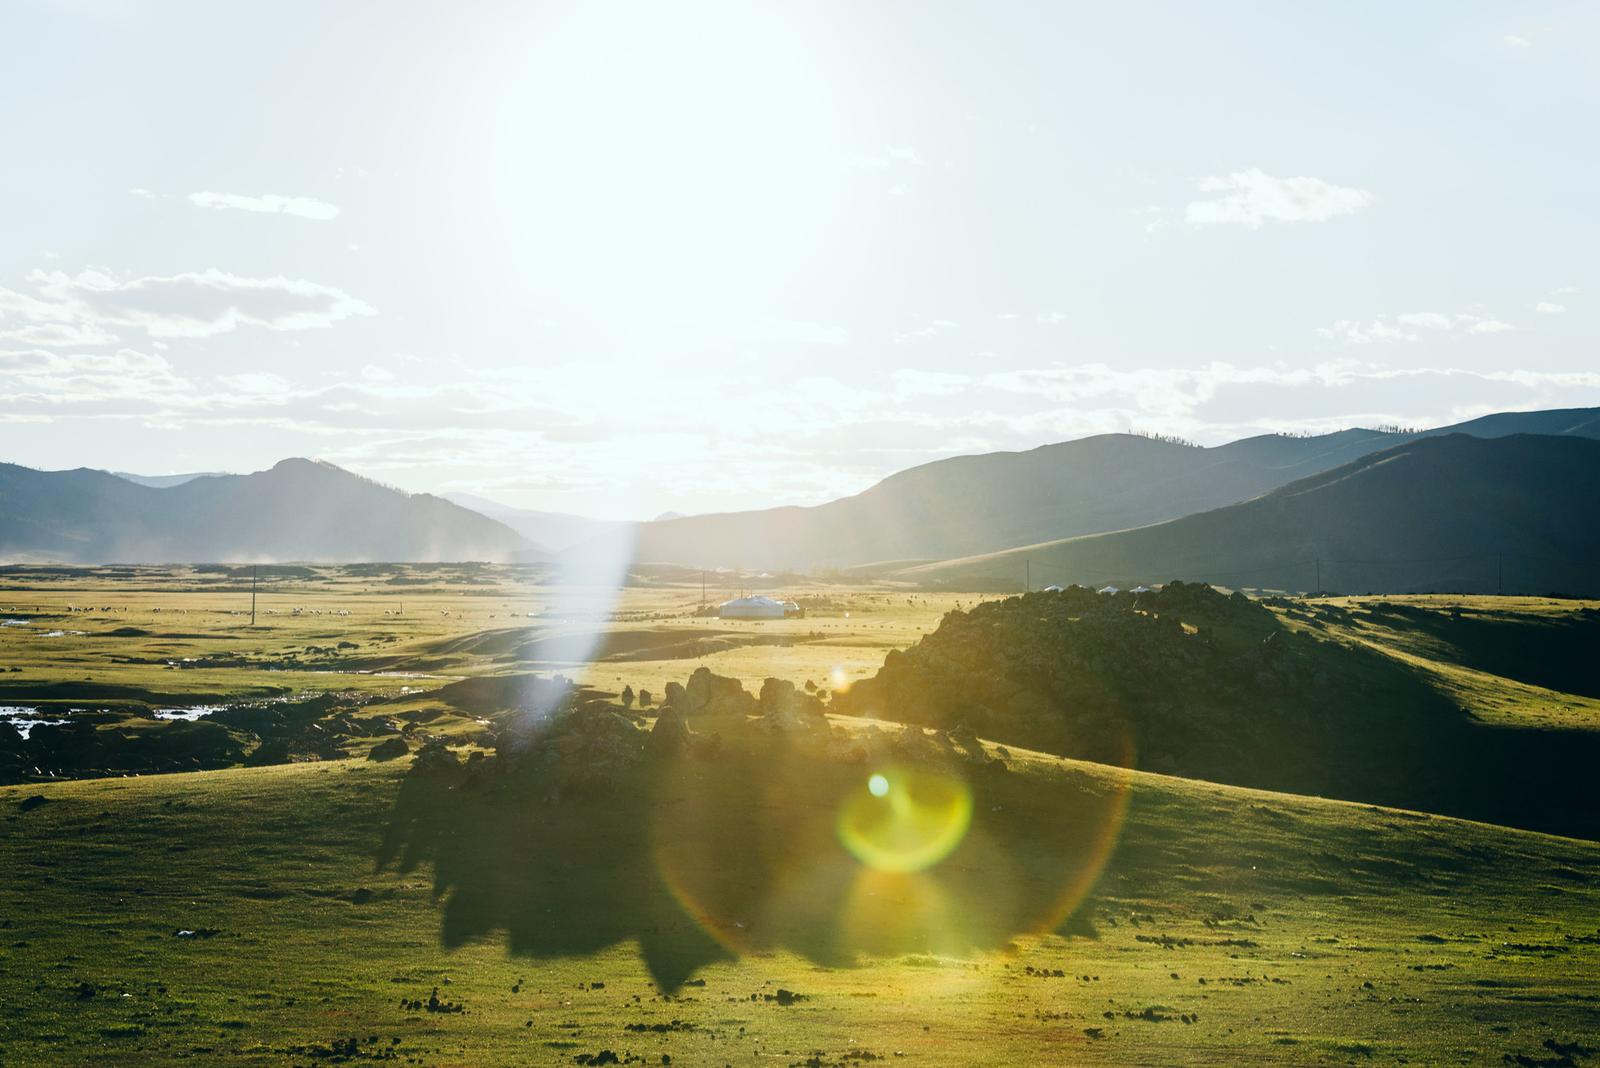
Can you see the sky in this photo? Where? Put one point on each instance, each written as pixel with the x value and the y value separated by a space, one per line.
pixel 620 259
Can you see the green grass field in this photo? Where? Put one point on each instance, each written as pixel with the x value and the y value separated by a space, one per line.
pixel 1187 922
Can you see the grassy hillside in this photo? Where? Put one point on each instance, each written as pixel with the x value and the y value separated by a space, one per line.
pixel 338 911
pixel 978 504
pixel 1228 926
pixel 1188 680
pixel 1456 513
pixel 298 510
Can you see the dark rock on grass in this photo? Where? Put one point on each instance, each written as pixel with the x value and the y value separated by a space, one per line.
pixel 709 694
pixel 433 1004
pixel 389 749
pixel 670 735
pixel 605 1056
pixel 434 758
pixel 28 804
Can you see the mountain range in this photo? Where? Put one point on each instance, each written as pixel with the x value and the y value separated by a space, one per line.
pixel 548 531
pixel 1518 514
pixel 297 510
pixel 1097 509
pixel 968 505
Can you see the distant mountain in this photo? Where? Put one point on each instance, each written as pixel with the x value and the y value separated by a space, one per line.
pixel 299 510
pixel 1453 513
pixel 165 481
pixel 978 504
pixel 553 531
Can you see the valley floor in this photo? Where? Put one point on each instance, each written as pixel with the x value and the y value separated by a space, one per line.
pixel 254 915
pixel 240 917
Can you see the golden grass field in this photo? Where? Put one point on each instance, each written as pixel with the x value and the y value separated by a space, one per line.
pixel 1219 925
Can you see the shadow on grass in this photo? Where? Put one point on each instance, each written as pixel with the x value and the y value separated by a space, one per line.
pixel 1558 653
pixel 723 850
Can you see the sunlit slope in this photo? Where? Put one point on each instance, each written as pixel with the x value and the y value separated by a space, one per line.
pixel 299 510
pixel 1231 926
pixel 1454 513
pixel 990 502
pixel 1508 661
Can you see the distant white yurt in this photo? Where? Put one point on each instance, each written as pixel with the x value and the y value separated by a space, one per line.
pixel 1054 589
pixel 1142 589
pixel 751 608
pixel 1109 589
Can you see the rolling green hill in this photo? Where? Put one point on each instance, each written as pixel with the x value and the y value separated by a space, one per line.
pixel 986 503
pixel 1187 680
pixel 243 917
pixel 1454 513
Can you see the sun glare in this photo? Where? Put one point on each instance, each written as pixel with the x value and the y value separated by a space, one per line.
pixel 908 819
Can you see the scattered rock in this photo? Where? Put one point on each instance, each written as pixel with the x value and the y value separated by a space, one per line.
pixel 389 749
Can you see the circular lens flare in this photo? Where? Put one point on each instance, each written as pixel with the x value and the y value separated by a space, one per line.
pixel 906 819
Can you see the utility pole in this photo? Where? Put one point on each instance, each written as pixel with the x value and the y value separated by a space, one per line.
pixel 1027 576
pixel 1500 573
pixel 702 589
pixel 1318 588
pixel 253 570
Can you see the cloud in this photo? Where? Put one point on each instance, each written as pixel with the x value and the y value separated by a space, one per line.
pixel 1253 197
pixel 1385 328
pixel 933 329
pixel 1545 307
pixel 1513 40
pixel 60 335
pixel 442 421
pixel 1353 332
pixel 1051 318
pixel 38 382
pixel 1154 216
pixel 194 304
pixel 268 203
pixel 1430 320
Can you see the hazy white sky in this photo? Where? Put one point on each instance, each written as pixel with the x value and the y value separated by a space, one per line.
pixel 625 258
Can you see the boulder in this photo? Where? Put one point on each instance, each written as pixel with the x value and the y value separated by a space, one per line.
pixel 713 695
pixel 389 749
pixel 670 736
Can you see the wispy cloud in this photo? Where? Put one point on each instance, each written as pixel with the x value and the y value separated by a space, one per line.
pixel 1404 327
pixel 193 304
pixel 268 203
pixel 1253 198
pixel 933 329
pixel 1516 40
pixel 1545 307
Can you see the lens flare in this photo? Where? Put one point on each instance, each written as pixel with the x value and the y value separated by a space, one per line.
pixel 905 819
pixel 838 679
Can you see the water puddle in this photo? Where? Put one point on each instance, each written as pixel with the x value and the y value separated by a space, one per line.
pixel 25 719
pixel 190 714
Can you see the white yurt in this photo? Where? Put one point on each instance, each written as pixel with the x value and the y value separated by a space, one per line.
pixel 755 607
